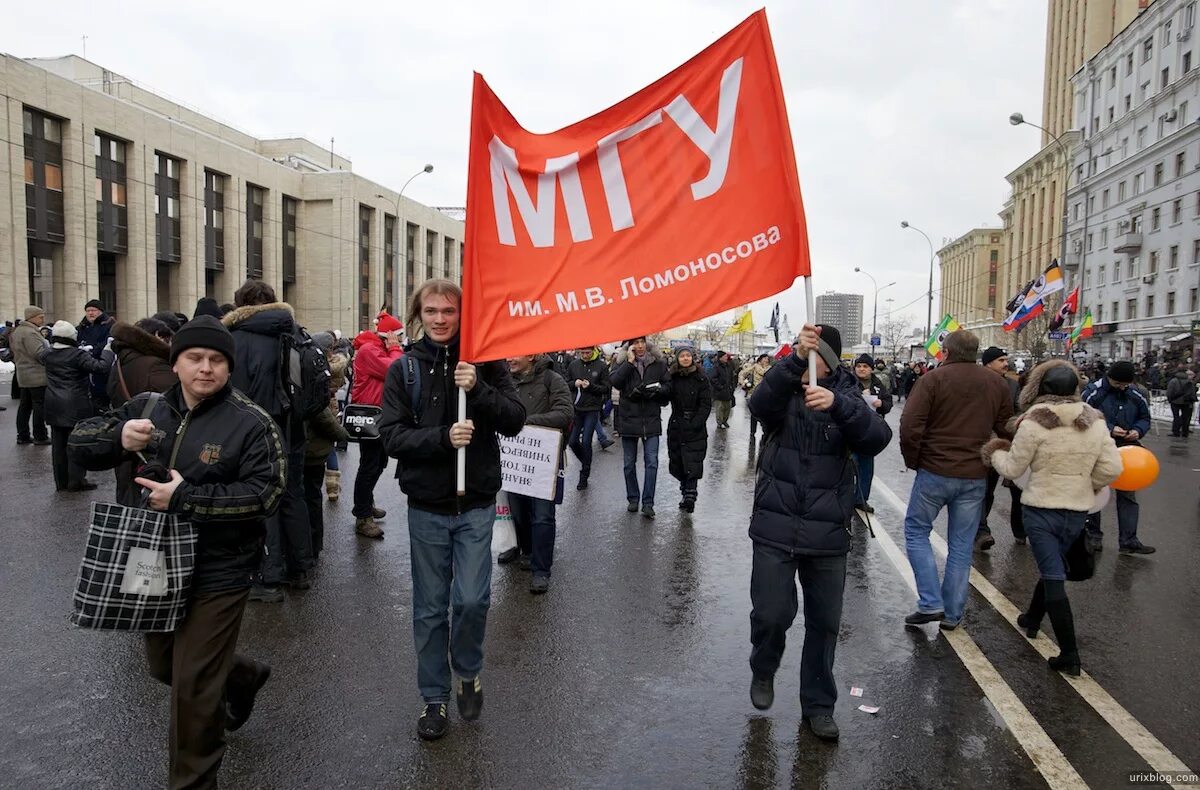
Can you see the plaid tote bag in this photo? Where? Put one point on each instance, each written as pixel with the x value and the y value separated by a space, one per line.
pixel 136 571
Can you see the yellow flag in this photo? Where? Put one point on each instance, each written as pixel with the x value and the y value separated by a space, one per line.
pixel 743 324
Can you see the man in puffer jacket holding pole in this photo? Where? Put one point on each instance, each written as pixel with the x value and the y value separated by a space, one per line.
pixel 803 504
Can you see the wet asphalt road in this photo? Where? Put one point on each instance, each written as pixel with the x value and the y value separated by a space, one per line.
pixel 632 671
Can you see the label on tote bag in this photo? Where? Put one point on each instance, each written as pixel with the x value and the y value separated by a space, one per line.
pixel 145 573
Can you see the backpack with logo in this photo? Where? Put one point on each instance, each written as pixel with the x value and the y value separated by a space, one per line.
pixel 307 375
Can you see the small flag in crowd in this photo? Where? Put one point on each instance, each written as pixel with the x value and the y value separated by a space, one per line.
pixel 936 343
pixel 1069 307
pixel 743 324
pixel 1034 303
pixel 774 325
pixel 1084 329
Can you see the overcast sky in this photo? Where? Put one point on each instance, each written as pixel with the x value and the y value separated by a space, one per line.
pixel 898 109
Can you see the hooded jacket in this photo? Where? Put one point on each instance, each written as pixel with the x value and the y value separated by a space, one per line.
pixel 724 380
pixel 1181 391
pixel 68 388
pixel 805 491
pixel 876 387
pixel 371 362
pixel 1065 445
pixel 1126 408
pixel 230 455
pixel 687 428
pixel 258 332
pixel 595 372
pixel 643 394
pixel 420 438
pixel 324 430
pixel 26 341
pixel 143 362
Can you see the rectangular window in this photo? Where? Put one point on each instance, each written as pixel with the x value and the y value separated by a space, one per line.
pixel 1129 64
pixel 1130 309
pixel 1099 313
pixel 1153 262
pixel 1144 91
pixel 1158 174
pixel 1137 184
pixel 410 258
pixel 389 260
pixel 1195 252
pixel 1121 191
pixel 365 215
pixel 256 199
pixel 1147 49
pixel 290 208
pixel 1167 33
pixel 1116 271
pixel 1089 242
pixel 448 257
pixel 1128 102
pixel 44 217
pixel 214 221
pixel 430 251
pixel 166 208
pixel 1103 238
pixel 1189 16
pixel 1135 223
pixel 1155 218
pixel 1180 163
pixel 1173 256
pixel 1171 303
pixel 1183 114
pixel 1091 205
pixel 1165 78
pixel 1100 275
pixel 1192 305
pixel 1116 310
pixel 1149 305
pixel 112 218
pixel 1187 62
pixel 1176 211
pixel 1104 199
pixel 1112 77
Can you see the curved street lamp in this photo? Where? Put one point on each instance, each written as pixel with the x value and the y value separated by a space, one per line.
pixel 875 307
pixel 929 311
pixel 400 194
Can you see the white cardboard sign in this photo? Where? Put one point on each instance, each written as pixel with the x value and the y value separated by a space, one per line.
pixel 529 462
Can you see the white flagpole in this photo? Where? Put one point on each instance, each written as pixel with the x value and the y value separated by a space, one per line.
pixel 462 451
pixel 812 319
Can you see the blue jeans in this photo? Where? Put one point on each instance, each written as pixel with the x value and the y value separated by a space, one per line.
pixel 602 434
pixel 451 570
pixel 331 461
pixel 650 458
pixel 1051 533
pixel 586 423
pixel 963 500
pixel 534 521
pixel 1127 520
pixel 866 476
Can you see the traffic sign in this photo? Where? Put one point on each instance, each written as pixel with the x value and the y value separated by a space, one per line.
pixel 1059 335
pixel 876 340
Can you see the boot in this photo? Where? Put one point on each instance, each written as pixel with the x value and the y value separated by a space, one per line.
pixel 368 528
pixel 1067 661
pixel 333 484
pixel 1031 620
pixel 583 481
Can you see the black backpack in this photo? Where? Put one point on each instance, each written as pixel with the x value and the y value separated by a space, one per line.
pixel 307 378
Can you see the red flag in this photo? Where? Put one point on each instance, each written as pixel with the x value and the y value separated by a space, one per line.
pixel 677 203
pixel 1069 307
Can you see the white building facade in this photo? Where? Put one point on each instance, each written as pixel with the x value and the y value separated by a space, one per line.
pixel 1134 201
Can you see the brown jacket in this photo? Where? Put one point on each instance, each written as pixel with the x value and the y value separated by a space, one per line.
pixel 143 364
pixel 952 412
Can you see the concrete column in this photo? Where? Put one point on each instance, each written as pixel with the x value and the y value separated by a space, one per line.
pixel 191 231
pixel 137 283
pixel 14 278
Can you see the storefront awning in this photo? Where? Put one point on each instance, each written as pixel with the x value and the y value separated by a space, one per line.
pixel 1177 338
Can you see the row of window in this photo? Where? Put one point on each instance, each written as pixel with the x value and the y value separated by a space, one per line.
pixel 1154 261
pixel 1131 307
pixel 1158 178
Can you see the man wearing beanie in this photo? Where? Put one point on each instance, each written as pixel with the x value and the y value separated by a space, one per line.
pixel 879 398
pixel 226 478
pixel 1127 413
pixel 952 412
pixel 206 305
pixel 26 342
pixel 803 501
pixel 94 331
pixel 995 359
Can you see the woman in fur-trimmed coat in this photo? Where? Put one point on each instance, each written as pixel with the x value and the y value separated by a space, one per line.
pixel 1066 447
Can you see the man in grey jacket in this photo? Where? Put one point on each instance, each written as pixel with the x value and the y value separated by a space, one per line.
pixel 26 343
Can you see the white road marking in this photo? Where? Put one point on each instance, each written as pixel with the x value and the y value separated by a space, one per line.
pixel 1152 750
pixel 1046 756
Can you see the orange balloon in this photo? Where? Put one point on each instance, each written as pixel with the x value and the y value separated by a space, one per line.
pixel 1141 469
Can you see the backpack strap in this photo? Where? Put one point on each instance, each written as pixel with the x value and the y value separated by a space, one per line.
pixel 151 402
pixel 412 384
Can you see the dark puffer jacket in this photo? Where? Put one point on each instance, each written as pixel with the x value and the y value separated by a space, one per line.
pixel 545 395
pixel 258 332
pixel 427 459
pixel 642 396
pixel 230 455
pixel 687 429
pixel 599 388
pixel 724 381
pixel 804 495
pixel 876 387
pixel 142 360
pixel 68 383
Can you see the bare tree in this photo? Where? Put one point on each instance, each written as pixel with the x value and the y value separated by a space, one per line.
pixel 714 331
pixel 894 335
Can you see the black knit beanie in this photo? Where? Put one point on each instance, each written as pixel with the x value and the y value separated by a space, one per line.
pixel 203 331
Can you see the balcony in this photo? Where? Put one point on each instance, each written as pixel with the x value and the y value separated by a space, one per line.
pixel 1129 243
pixel 1071 261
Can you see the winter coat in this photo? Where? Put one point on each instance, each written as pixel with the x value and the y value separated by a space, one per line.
pixel 876 387
pixel 560 363
pixel 321 433
pixel 95 333
pixel 1126 409
pixel 258 332
pixel 68 383
pixel 687 428
pixel 545 395
pixel 421 438
pixel 231 457
pixel 26 343
pixel 805 491
pixel 599 388
pixel 1065 446
pixel 143 364
pixel 642 396
pixel 753 375
pixel 951 413
pixel 1181 391
pixel 371 362
pixel 723 381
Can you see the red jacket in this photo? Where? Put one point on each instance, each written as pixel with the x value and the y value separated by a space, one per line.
pixel 371 363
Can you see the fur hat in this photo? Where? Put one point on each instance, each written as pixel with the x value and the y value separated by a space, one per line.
pixel 1121 371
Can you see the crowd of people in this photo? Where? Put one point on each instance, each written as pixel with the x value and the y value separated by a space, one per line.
pixel 232 419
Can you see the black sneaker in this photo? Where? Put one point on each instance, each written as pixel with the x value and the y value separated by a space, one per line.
pixel 606 445
pixel 633 506
pixel 241 703
pixel 1066 663
pixel 299 581
pixel 264 594
pixel 920 618
pixel 433 722
pixel 582 486
pixel 824 727
pixel 41 442
pixel 688 506
pixel 539 585
pixel 526 562
pixel 762 692
pixel 648 511
pixel 1140 548
pixel 84 486
pixel 470 699
pixel 24 441
pixel 507 556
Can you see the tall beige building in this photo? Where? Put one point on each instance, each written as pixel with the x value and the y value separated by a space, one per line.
pixel 971 289
pixel 117 193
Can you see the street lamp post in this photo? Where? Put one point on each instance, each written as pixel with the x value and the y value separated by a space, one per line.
pixel 929 312
pixel 400 194
pixel 875 306
pixel 1016 119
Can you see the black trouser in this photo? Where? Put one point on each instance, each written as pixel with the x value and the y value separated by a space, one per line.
pixel 314 502
pixel 535 523
pixel 1016 519
pixel 289 541
pixel 689 487
pixel 774 607
pixel 1181 419
pixel 32 404
pixel 197 660
pixel 372 460
pixel 67 473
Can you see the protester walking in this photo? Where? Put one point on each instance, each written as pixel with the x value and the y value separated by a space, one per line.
pixel 687 428
pixel 26 342
pixel 749 379
pixel 547 402
pixel 877 396
pixel 1127 414
pixel 803 505
pixel 1066 448
pixel 587 378
pixel 69 399
pixel 374 352
pixel 450 535
pixel 226 465
pixel 995 359
pixel 645 386
pixel 952 412
pixel 724 385
pixel 322 432
pixel 1181 394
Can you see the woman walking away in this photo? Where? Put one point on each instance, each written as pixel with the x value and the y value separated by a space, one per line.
pixel 69 399
pixel 687 430
pixel 374 354
pixel 1066 447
